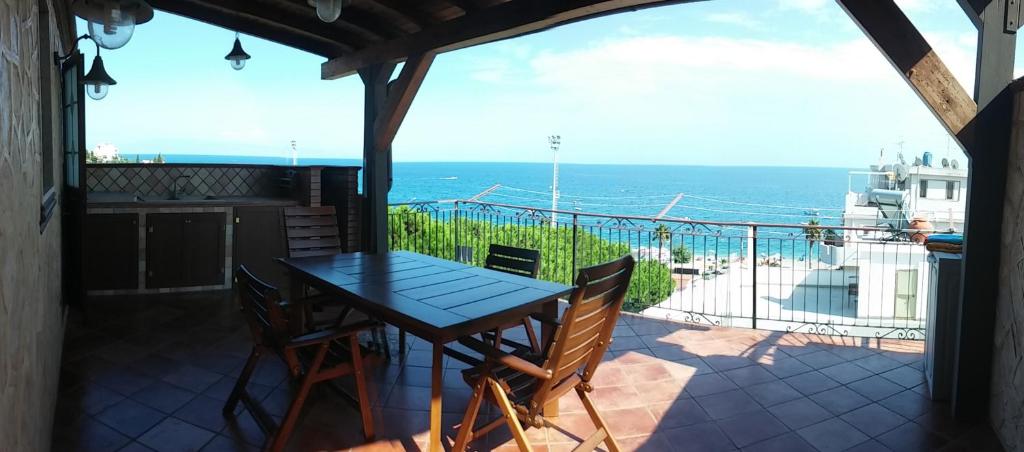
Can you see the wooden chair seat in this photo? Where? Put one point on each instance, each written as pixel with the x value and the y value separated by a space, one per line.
pixel 522 382
pixel 311 356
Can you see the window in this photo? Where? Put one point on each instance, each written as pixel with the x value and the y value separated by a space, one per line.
pixel 48 193
pixel 906 294
pixel 939 189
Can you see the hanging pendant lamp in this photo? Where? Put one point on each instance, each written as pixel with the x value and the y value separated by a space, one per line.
pixel 237 56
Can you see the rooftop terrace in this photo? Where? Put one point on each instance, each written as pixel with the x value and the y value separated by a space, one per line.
pixel 152 374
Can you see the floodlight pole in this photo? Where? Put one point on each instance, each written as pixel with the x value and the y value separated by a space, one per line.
pixel 554 141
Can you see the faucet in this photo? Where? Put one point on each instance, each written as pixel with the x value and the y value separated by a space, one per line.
pixel 175 193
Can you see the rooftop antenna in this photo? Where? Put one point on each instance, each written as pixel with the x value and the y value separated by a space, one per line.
pixel 295 155
pixel 554 141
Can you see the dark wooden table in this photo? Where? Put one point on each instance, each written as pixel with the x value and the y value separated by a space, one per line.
pixel 431 298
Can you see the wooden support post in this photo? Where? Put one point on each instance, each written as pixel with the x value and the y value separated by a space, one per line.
pixel 988 151
pixel 400 94
pixel 896 37
pixel 376 161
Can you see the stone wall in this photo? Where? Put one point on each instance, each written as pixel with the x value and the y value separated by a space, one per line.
pixel 1007 407
pixel 31 316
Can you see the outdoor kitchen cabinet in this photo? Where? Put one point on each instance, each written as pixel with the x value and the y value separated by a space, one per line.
pixel 111 249
pixel 184 249
pixel 258 240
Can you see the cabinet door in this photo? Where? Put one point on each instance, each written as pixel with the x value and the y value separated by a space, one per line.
pixel 258 240
pixel 164 250
pixel 111 249
pixel 203 259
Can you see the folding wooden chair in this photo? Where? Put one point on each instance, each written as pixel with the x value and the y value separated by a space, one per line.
pixel 521 385
pixel 311 357
pixel 517 261
pixel 313 231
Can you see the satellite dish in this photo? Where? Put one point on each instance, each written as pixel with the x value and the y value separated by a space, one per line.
pixel 901 172
pixel 945 163
pixel 918 161
pixel 954 164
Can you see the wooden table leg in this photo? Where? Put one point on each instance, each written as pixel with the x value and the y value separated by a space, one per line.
pixel 436 382
pixel 295 292
pixel 547 331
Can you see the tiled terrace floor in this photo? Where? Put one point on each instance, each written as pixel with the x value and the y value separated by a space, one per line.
pixel 152 373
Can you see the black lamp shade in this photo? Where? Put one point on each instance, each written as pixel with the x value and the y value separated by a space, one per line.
pixel 237 53
pixel 98 74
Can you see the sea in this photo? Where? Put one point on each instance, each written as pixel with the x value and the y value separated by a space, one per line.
pixel 729 194
pixel 777 195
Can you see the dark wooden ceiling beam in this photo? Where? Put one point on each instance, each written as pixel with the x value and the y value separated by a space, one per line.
pixel 892 32
pixel 273 24
pixel 352 20
pixel 514 18
pixel 410 12
pixel 468 6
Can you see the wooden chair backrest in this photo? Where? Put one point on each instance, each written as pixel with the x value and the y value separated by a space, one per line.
pixel 261 304
pixel 312 231
pixel 586 328
pixel 517 261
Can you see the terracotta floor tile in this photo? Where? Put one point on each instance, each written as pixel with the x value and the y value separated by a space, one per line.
pixel 839 400
pixel 799 413
pixel 679 413
pixel 130 417
pixel 750 375
pixel 846 372
pixel 748 428
pixel 727 404
pixel 907 403
pixel 905 376
pixel 789 442
pixel 820 359
pixel 833 435
pixel 875 388
pixel 787 367
pixel 877 363
pixel 911 436
pixel 772 393
pixel 811 382
pixel 874 419
pixel 629 422
pixel 706 437
pixel 173 435
pixel 706 384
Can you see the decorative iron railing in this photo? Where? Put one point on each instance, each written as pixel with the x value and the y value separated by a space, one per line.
pixel 821 279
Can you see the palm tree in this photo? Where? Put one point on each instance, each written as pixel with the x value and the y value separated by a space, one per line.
pixel 812 233
pixel 662 234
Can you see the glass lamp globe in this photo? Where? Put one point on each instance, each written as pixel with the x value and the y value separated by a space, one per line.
pixel 97 91
pixel 237 64
pixel 328 10
pixel 115 32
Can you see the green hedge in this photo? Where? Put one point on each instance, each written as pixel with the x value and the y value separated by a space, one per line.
pixel 433 233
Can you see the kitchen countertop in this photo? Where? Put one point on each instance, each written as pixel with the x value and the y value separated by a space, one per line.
pixel 130 200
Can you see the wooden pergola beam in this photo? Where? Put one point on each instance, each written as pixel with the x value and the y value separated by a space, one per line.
pixel 897 38
pixel 308 34
pixel 409 12
pixel 399 98
pixel 514 18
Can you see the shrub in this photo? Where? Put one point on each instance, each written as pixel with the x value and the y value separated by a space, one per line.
pixel 652 283
pixel 682 255
pixel 423 232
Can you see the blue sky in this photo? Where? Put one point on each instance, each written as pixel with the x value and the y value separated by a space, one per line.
pixel 724 82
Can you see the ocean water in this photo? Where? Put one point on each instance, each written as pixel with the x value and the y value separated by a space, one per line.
pixel 785 195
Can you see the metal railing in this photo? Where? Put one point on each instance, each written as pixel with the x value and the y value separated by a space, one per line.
pixel 810 278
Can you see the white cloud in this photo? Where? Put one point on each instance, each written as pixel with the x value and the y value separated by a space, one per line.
pixel 736 18
pixel 646 62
